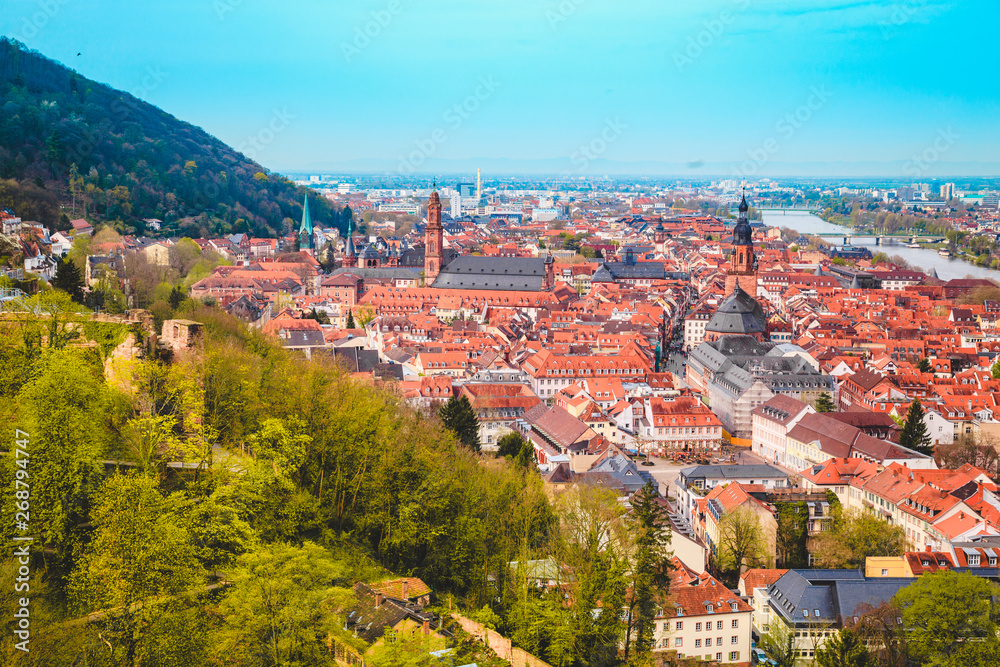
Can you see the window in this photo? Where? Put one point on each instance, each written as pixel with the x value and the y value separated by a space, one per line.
pixel 710 609
pixel 697 643
pixel 679 625
pixel 718 626
pixel 697 627
pixel 679 641
pixel 734 656
pixel 718 641
pixel 734 607
pixel 718 657
pixel 736 623
pixel 734 639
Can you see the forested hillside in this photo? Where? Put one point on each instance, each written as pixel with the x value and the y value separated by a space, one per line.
pixel 110 156
pixel 299 481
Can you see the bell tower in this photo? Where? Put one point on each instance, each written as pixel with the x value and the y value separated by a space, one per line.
pixel 433 240
pixel 743 261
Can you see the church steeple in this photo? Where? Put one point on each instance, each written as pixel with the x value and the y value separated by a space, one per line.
pixel 433 240
pixel 742 271
pixel 350 256
pixel 306 228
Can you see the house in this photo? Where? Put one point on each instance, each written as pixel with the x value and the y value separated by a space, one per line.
pixel 377 618
pixel 498 408
pixel 813 605
pixel 703 619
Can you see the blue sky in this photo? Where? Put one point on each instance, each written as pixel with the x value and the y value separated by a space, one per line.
pixel 681 82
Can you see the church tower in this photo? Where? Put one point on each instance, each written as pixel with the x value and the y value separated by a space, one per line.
pixel 350 257
pixel 743 261
pixel 433 240
pixel 306 229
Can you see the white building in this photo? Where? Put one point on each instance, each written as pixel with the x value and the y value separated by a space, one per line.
pixel 770 424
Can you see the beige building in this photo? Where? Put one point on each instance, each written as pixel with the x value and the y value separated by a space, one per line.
pixel 703 620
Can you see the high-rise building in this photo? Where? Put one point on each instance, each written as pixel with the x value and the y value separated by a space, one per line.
pixel 466 190
pixel 456 205
pixel 948 191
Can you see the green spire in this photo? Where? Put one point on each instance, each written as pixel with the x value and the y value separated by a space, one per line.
pixel 306 228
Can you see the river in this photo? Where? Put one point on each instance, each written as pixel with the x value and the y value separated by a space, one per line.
pixel 946 267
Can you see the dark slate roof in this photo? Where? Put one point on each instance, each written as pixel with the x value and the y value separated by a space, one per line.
pixel 602 275
pixel 300 338
pixel 834 594
pixel 493 273
pixel 739 314
pixel 733 472
pixel 644 270
pixel 356 359
pixel 387 272
pixel 414 257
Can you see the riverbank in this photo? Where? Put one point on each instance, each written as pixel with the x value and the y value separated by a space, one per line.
pixel 924 259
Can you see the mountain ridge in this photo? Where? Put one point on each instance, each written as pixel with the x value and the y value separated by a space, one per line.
pixel 66 140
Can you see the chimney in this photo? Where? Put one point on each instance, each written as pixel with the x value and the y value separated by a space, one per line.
pixel 927 548
pixel 406 589
pixel 379 599
pixel 426 627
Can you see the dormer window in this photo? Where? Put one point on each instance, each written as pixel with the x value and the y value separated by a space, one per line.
pixel 710 609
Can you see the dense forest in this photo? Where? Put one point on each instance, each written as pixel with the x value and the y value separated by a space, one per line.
pixel 109 156
pixel 297 480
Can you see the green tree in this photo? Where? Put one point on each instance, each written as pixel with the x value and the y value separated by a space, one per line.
pixel 177 297
pixel 825 403
pixel 779 643
pixel 61 410
pixel 792 532
pixel 742 543
pixel 944 612
pixel 139 560
pixel 856 535
pixel 843 649
pixel 914 434
pixel 459 418
pixel 510 445
pixel 69 279
pixel 350 320
pixel 650 570
pixel 283 607
pixel 925 366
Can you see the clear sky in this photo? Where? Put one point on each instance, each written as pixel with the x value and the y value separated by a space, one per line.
pixel 666 81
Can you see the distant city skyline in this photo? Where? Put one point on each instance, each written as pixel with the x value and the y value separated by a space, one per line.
pixel 734 88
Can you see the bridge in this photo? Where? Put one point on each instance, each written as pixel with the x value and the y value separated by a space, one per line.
pixel 908 238
pixel 783 209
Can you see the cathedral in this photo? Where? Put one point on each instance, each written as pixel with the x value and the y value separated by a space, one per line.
pixel 469 272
